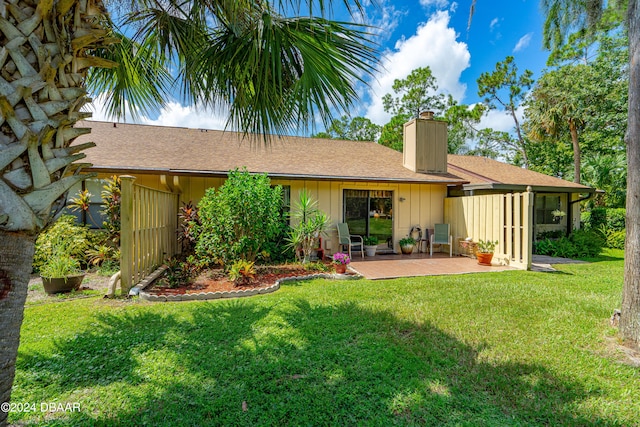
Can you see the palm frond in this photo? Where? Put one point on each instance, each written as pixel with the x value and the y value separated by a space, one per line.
pixel 279 73
pixel 140 82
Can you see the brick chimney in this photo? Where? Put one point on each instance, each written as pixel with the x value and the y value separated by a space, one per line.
pixel 424 148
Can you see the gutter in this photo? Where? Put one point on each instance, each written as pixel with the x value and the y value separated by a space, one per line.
pixel 224 174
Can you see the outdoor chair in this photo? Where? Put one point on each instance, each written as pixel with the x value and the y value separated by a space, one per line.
pixel 441 236
pixel 349 240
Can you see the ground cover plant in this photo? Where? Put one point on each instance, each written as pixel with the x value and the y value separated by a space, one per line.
pixel 509 348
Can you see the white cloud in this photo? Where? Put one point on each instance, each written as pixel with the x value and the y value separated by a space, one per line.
pixel 500 120
pixel 494 22
pixel 173 114
pixel 523 42
pixel 441 4
pixel 433 45
pixel 384 20
pixel 453 7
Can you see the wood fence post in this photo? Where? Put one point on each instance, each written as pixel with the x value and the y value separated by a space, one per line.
pixel 126 233
pixel 528 227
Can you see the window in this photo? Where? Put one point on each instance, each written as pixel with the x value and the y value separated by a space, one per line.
pixel 93 217
pixel 370 213
pixel 545 205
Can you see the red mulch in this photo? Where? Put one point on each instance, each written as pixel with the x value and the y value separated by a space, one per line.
pixel 215 280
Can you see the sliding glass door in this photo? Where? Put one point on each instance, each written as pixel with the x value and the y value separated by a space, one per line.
pixel 370 213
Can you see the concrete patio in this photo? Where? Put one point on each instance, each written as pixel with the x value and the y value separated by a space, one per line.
pixel 417 264
pixel 421 264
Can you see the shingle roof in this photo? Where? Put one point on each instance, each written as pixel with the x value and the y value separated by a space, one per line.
pixel 133 148
pixel 128 147
pixel 482 172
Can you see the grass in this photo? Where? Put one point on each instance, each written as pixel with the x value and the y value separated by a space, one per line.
pixel 495 349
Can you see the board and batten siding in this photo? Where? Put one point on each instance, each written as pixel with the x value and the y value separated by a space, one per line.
pixel 413 204
pixel 505 218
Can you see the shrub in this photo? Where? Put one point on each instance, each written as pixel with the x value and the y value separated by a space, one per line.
pixel 596 218
pixel 242 272
pixel 111 197
pixel 182 271
pixel 616 239
pixel 580 244
pixel 310 224
pixel 239 218
pixel 188 221
pixel 551 234
pixel 587 243
pixel 65 232
pixel 616 219
pixel 612 219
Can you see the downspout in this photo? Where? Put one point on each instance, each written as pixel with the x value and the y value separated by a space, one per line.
pixel 571 202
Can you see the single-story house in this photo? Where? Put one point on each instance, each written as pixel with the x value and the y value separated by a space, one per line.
pixel 376 190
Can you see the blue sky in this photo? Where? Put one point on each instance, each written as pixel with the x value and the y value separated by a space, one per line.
pixel 417 33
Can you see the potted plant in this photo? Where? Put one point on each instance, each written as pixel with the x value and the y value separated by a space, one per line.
pixel 370 245
pixel 340 261
pixel 61 271
pixel 558 215
pixel 407 244
pixel 484 251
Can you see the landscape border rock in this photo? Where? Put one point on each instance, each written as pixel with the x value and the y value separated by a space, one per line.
pixel 240 293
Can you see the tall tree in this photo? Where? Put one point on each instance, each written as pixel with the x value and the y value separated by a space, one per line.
pixel 562 17
pixel 583 100
pixel 392 133
pixel 351 129
pixel 505 88
pixel 462 122
pixel 414 94
pixel 273 72
pixel 557 102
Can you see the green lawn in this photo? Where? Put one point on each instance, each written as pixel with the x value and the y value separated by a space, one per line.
pixel 510 348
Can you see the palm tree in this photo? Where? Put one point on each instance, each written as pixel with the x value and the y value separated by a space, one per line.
pixel 274 74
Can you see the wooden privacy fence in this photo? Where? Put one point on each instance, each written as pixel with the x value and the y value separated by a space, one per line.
pixel 507 218
pixel 148 230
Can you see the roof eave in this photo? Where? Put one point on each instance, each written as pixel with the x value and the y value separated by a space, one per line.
pixel 207 173
pixel 535 188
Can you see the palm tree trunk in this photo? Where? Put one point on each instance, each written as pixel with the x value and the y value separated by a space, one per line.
pixel 630 316
pixel 573 130
pixel 44 61
pixel 16 254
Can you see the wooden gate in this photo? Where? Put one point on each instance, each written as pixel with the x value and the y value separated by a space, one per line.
pixel 507 218
pixel 148 230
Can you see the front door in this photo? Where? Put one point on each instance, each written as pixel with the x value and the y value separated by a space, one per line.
pixel 370 213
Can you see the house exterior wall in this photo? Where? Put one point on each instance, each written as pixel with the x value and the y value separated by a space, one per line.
pixel 413 204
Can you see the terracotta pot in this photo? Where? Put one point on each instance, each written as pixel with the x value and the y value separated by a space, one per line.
pixel 341 268
pixel 484 258
pixel 55 285
pixel 406 249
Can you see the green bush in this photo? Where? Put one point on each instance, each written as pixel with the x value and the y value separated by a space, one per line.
pixel 181 271
pixel 616 239
pixel 587 243
pixel 239 218
pixel 580 244
pixel 616 219
pixel 76 237
pixel 612 219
